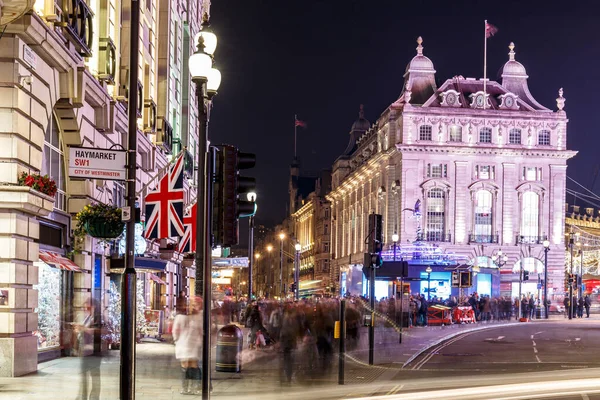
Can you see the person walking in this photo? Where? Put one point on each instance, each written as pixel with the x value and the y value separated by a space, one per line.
pixel 587 303
pixel 580 304
pixel 187 334
pixel 87 331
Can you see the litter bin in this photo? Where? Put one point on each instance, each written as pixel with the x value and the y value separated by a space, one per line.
pixel 230 341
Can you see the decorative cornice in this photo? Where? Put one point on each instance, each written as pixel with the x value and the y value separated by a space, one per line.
pixel 474 150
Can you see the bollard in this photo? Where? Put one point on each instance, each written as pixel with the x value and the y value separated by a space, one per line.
pixel 229 347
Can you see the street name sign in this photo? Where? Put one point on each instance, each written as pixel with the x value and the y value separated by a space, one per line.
pixel 85 162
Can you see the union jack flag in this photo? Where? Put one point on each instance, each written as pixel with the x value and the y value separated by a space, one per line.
pixel 187 244
pixel 164 205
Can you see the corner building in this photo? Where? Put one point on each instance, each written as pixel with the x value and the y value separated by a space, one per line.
pixel 65 68
pixel 469 174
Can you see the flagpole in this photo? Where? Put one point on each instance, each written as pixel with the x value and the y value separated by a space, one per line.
pixel 484 63
pixel 160 171
pixel 295 131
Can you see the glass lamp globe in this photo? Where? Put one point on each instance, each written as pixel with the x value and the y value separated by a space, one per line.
pixel 269 248
pixel 200 65
pixel 210 40
pixel 251 196
pixel 297 247
pixel 395 237
pixel 428 270
pixel 214 80
pixel 282 236
pixel 494 258
pixel 505 258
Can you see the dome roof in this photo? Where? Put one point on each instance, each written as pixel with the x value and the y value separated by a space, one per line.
pixel 513 68
pixel 361 124
pixel 420 63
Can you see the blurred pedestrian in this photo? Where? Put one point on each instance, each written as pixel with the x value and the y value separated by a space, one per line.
pixel 87 331
pixel 587 303
pixel 187 334
pixel 288 341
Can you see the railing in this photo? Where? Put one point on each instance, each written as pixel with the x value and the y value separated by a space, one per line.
pixel 483 238
pixel 438 237
pixel 165 136
pixel 107 66
pixel 522 239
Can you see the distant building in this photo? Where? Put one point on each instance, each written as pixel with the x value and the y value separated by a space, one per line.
pixel 464 174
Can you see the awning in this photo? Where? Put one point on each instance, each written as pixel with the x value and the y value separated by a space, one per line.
pixel 141 264
pixel 58 261
pixel 157 279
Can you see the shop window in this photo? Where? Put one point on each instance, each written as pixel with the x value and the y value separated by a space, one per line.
pixel 49 291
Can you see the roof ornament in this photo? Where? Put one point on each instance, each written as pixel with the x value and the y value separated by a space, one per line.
pixel 407 93
pixel 560 101
pixel 511 53
pixel 361 112
pixel 420 46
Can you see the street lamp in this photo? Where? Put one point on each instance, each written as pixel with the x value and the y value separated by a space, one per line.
pixel 207 80
pixel 270 276
pixel 499 259
pixel 395 239
pixel 428 270
pixel 252 198
pixel 282 287
pixel 546 249
pixel 570 279
pixel 298 247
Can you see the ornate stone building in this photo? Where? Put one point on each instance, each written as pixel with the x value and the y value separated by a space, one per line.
pixel 65 67
pixel 465 174
pixel 312 228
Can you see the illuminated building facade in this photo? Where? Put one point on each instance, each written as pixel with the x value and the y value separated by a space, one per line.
pixel 470 170
pixel 65 66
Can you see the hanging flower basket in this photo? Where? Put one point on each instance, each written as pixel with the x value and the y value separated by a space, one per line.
pixel 100 228
pixel 101 221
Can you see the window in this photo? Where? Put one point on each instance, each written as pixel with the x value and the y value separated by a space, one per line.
pixel 437 170
pixel 530 203
pixel 53 162
pixel 325 265
pixel 544 137
pixel 118 194
pixel 485 135
pixel 532 173
pixel 435 215
pixel 455 133
pixel 485 172
pixel 175 42
pixel 327 213
pixel 514 136
pixel 326 247
pixel 326 229
pixel 425 132
pixel 483 216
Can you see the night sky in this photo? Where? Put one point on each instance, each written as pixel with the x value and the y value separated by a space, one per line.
pixel 322 59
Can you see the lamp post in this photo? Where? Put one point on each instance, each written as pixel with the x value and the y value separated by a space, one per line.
pixel 207 80
pixel 251 197
pixel 282 287
pixel 256 258
pixel 570 279
pixel 546 249
pixel 499 259
pixel 270 276
pixel 298 247
pixel 428 270
pixel 579 279
pixel 395 238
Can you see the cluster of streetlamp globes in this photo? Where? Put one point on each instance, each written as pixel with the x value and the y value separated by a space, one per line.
pixel 269 247
pixel 201 62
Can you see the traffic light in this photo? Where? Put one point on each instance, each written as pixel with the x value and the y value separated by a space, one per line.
pixel 525 275
pixel 229 193
pixel 376 260
pixel 570 280
pixel 375 233
pixel 293 287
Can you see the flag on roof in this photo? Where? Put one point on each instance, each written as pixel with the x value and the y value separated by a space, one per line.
pixel 490 30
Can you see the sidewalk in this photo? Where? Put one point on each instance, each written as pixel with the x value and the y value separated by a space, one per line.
pixel 158 373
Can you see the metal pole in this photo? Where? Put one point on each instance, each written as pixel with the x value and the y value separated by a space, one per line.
pixel 282 287
pixel 128 280
pixel 401 308
pixel 394 251
pixel 428 286
pixel 580 280
pixel 342 342
pixel 207 289
pixel 250 254
pixel 520 283
pixel 372 324
pixel 570 279
pixel 546 281
pixel 297 275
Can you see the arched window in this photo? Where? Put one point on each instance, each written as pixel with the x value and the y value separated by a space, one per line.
pixel 425 132
pixel 514 136
pixel 53 162
pixel 544 137
pixel 435 215
pixel 530 211
pixel 483 217
pixel 485 135
pixel 455 133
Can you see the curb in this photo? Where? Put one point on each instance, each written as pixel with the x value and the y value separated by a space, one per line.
pixel 452 335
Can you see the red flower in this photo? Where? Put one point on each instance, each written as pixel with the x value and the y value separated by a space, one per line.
pixel 29 181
